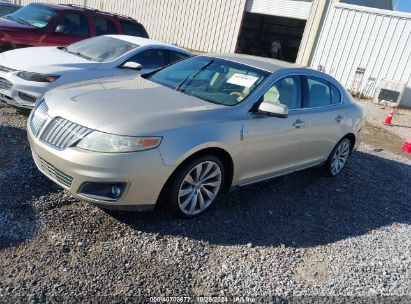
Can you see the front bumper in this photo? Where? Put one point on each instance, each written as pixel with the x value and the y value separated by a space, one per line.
pixel 17 95
pixel 144 172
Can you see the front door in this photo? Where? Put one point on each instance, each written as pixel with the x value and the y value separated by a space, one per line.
pixel 273 146
pixel 70 28
pixel 150 60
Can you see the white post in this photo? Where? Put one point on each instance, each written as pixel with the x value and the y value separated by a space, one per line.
pixel 312 28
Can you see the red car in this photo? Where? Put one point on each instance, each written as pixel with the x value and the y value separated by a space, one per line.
pixel 59 25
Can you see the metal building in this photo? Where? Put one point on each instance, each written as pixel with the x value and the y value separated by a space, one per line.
pixel 328 34
pixel 373 40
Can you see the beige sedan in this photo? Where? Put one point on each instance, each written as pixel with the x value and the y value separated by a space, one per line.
pixel 187 133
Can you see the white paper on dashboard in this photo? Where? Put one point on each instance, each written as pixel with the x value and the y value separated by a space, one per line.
pixel 242 80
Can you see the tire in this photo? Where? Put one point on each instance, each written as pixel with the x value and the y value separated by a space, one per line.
pixel 196 186
pixel 338 158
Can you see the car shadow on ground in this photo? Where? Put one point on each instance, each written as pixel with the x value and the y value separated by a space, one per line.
pixel 300 210
pixel 20 185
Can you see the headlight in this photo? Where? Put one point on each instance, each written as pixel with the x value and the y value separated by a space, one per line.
pixel 109 143
pixel 37 77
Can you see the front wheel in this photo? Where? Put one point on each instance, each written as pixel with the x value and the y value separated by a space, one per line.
pixel 196 186
pixel 338 157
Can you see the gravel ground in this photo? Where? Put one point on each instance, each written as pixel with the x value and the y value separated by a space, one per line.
pixel 299 235
pixel 401 122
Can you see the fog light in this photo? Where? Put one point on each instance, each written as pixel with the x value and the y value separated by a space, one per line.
pixel 115 191
pixel 103 191
pixel 27 97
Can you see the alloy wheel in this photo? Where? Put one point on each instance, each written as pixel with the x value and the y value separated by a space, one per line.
pixel 340 157
pixel 199 188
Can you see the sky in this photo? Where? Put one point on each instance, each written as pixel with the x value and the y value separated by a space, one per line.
pixel 404 5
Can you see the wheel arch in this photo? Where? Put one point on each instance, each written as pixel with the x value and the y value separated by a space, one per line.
pixel 219 152
pixel 351 137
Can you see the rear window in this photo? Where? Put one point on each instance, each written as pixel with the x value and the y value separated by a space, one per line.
pixel 133 28
pixel 335 94
pixel 104 26
pixel 319 92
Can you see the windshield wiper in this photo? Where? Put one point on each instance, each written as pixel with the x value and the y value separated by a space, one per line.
pixel 193 76
pixel 64 49
pixel 200 97
pixel 22 21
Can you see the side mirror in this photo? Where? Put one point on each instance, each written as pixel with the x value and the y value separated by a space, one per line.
pixel 130 65
pixel 276 110
pixel 60 29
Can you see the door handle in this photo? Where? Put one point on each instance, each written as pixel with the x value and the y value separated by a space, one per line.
pixel 298 123
pixel 339 118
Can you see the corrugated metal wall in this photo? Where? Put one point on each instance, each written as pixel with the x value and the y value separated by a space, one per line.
pixel 377 40
pixel 203 25
pixel 299 9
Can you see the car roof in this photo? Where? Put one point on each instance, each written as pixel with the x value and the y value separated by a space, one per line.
pixel 145 41
pixel 267 64
pixel 58 6
pixel 74 7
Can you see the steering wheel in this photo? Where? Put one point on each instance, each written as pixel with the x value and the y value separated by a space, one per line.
pixel 239 94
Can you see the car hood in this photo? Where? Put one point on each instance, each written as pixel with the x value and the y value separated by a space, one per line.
pixel 6 24
pixel 129 106
pixel 44 60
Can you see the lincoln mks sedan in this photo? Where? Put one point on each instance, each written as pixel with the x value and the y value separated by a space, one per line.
pixel 185 134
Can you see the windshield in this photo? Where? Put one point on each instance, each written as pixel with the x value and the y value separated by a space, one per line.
pixel 33 15
pixel 100 49
pixel 215 80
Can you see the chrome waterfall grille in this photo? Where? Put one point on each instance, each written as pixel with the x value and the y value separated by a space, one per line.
pixel 39 118
pixel 6 69
pixel 62 133
pixel 5 84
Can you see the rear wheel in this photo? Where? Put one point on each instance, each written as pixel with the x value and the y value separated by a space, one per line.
pixel 196 186
pixel 338 158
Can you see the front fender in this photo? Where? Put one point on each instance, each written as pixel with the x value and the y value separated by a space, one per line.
pixel 180 144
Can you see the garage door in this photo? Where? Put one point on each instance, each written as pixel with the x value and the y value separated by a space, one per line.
pixel 298 9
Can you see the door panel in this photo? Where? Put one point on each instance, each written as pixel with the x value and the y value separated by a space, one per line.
pixel 325 129
pixel 273 146
pixel 73 28
pixel 151 59
pixel 326 118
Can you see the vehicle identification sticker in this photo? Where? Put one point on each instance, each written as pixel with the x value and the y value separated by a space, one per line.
pixel 243 80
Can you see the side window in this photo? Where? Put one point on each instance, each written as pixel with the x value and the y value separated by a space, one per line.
pixel 104 26
pixel 151 59
pixel 74 24
pixel 176 56
pixel 335 93
pixel 286 91
pixel 133 29
pixel 319 93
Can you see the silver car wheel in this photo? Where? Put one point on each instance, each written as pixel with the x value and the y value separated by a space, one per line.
pixel 199 188
pixel 340 157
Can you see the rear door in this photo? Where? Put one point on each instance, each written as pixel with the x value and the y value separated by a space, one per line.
pixel 69 28
pixel 326 118
pixel 104 26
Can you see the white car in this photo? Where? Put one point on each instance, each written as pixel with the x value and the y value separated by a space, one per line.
pixel 27 74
